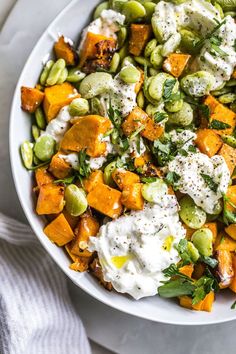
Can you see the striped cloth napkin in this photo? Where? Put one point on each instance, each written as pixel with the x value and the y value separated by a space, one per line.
pixel 36 313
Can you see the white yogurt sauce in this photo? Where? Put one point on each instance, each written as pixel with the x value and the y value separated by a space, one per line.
pixel 131 249
pixel 107 25
pixel 190 168
pixel 58 126
pixel 200 16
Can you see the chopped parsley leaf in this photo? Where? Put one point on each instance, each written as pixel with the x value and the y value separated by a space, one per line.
pixel 210 182
pixel 218 125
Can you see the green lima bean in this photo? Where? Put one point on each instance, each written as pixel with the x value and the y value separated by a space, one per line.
pixel 76 202
pixel 55 72
pixel 44 147
pixel 40 118
pixel 45 72
pixel 26 150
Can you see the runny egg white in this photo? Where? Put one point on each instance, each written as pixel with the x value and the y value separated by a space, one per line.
pixel 134 249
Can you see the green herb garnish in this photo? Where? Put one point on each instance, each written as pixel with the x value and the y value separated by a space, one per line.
pixel 65 181
pixel 148 179
pixel 168 88
pixel 200 43
pixel 172 179
pixel 84 167
pixel 233 306
pixel 160 116
pixel 218 125
pixel 210 182
pixel 204 110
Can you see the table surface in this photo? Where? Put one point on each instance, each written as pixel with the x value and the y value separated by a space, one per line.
pixel 115 330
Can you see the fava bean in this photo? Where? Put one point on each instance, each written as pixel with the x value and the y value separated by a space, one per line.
pixel 96 107
pixel 141 99
pixel 151 109
pixel 189 40
pixel 103 6
pixel 230 83
pixel 229 140
pixel 146 92
pixel 150 8
pixel 27 154
pixel 75 75
pixel 40 118
pixel 191 214
pixel 35 132
pixel 129 74
pixel 230 13
pixel 174 106
pixel 121 36
pixel 55 72
pixel 79 107
pixel 117 5
pixel 202 240
pixel 150 47
pixel 108 173
pixel 63 76
pixel 143 61
pixel 154 192
pixel 156 58
pixel 76 202
pixel 115 63
pixel 153 72
pixel 227 98
pixel 171 44
pixel 227 5
pixel 157 85
pixel 45 72
pixel 124 51
pixel 127 61
pixel 183 117
pixel 133 11
pixel 221 91
pixel 36 160
pixel 198 84
pixel 44 147
pixel 95 84
pixel 193 252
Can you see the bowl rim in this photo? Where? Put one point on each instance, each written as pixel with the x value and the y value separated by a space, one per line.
pixel 29 217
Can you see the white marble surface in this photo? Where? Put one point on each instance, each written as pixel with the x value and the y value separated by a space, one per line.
pixel 119 332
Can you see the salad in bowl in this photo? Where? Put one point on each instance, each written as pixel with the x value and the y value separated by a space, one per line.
pixel 133 148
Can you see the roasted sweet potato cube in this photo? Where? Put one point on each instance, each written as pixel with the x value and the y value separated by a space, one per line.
pixel 56 97
pixel 87 226
pixel 124 178
pixel 96 51
pixel 94 178
pixel 229 154
pixel 65 51
pixel 139 36
pixel 208 142
pixel 142 160
pixel 234 74
pixel 221 113
pixel 175 63
pixel 187 270
pixel 86 134
pixel 96 270
pixel 134 120
pixel 225 271
pixel 233 282
pixel 139 84
pixel 72 220
pixel 50 199
pixel 42 177
pixel 231 195
pixel 214 229
pixel 132 198
pixel 231 231
pixel 59 231
pixel 59 167
pixel 106 200
pixel 204 305
pixel 81 264
pixel 152 130
pixel 31 99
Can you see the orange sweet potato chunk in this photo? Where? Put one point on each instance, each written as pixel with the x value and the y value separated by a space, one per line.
pixel 225 271
pixel 56 97
pixel 124 178
pixel 229 154
pixel 50 199
pixel 85 134
pixel 65 51
pixel 31 99
pixel 59 167
pixel 94 178
pixel 106 200
pixel 42 176
pixel 59 231
pixel 204 305
pixel 208 142
pixel 152 130
pixel 233 282
pixel 221 113
pixel 132 198
pixel 87 226
pixel 187 270
pixel 175 63
pixel 96 271
pixel 134 120
pixel 139 36
pixel 231 231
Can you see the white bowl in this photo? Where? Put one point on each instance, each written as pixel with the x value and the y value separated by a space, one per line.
pixel 70 22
